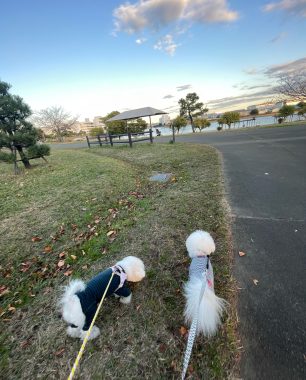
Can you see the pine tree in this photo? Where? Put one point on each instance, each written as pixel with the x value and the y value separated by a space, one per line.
pixel 16 133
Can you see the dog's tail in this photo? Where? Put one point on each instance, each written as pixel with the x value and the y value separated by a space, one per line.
pixel 70 305
pixel 70 290
pixel 207 306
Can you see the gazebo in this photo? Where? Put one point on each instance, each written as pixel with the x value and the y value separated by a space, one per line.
pixel 139 112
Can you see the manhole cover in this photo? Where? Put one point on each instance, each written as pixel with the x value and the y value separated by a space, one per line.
pixel 161 177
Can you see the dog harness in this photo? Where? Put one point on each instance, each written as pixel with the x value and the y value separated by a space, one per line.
pixel 92 294
pixel 200 267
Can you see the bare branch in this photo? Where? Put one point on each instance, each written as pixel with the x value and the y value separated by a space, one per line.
pixel 293 85
pixel 55 119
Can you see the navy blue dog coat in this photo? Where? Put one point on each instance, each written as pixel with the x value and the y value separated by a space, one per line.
pixel 92 294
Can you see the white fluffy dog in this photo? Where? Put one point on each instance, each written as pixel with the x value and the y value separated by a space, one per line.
pixel 79 301
pixel 201 301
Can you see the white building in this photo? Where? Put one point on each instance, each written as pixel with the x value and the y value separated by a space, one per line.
pixel 164 119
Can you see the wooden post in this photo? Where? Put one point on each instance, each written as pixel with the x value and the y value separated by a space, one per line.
pixel 173 134
pixel 130 139
pixel 15 161
pixel 111 139
pixel 88 141
pixel 151 136
pixel 100 142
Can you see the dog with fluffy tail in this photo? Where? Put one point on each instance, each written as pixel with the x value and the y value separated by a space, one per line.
pixel 80 301
pixel 203 309
pixel 201 301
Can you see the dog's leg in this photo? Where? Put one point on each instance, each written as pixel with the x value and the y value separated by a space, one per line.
pixel 93 334
pixel 74 332
pixel 126 300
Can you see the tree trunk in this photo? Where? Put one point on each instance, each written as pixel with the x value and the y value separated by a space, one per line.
pixel 191 121
pixel 23 157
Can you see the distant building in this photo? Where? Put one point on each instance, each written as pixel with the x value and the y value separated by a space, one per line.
pixel 97 121
pixel 214 115
pixel 164 119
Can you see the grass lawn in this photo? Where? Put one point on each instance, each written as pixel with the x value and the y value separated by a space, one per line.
pixel 79 214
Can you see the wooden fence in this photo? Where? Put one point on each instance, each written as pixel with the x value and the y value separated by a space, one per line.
pixel 124 138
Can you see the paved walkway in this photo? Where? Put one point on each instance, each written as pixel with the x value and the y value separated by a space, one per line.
pixel 266 184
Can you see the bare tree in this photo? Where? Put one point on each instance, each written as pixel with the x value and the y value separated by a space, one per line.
pixel 55 119
pixel 293 85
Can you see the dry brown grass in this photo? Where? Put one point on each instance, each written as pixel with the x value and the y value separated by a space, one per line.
pixel 143 340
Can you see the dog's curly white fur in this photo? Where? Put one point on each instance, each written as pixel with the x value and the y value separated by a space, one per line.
pixel 207 306
pixel 71 305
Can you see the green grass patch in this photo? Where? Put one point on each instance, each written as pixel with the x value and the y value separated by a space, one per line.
pixel 79 214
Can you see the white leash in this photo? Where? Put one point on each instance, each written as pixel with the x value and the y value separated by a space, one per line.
pixel 193 330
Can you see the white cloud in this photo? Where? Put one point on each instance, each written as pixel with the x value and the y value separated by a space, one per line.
pixel 209 11
pixel 289 68
pixel 296 7
pixel 251 71
pixel 140 41
pixel 154 14
pixel 278 38
pixel 166 44
pixel 183 87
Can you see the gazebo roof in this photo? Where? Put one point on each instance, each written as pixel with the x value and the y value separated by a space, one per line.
pixel 135 114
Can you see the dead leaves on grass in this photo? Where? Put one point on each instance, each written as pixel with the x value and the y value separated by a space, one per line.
pixel 4 290
pixel 48 249
pixel 36 238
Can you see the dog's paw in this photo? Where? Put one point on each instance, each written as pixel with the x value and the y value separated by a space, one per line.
pixel 126 300
pixel 95 332
pixel 73 332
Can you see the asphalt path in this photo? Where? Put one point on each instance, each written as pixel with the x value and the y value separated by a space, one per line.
pixel 265 172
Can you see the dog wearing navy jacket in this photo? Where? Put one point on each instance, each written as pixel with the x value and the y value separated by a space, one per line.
pixel 80 301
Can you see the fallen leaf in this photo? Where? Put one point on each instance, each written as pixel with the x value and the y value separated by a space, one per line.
pixel 190 369
pixel 62 254
pixel 25 344
pixel 73 257
pixel 241 254
pixel 84 267
pixel 74 226
pixel 255 281
pixel 25 266
pixel 61 263
pixel 162 347
pixel 103 250
pixel 59 352
pixel 110 233
pixel 36 238
pixel 83 252
pixel 11 308
pixel 183 330
pixel 137 307
pixel 48 249
pixel 3 290
pixel 68 273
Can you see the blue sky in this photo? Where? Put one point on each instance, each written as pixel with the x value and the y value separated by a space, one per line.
pixel 93 57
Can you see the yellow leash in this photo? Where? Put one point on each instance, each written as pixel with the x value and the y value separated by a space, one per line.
pixel 76 363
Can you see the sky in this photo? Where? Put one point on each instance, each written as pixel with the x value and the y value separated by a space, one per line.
pixel 92 56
